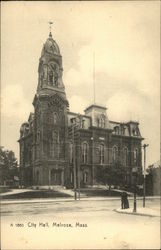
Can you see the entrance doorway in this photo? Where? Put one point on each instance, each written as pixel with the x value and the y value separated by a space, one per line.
pixel 56 177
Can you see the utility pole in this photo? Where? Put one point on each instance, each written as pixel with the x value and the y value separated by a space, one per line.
pixel 134 210
pixel 92 138
pixel 144 189
pixel 74 164
pixel 79 175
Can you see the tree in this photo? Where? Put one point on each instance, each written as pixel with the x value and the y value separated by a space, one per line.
pixel 111 175
pixel 8 165
pixel 153 179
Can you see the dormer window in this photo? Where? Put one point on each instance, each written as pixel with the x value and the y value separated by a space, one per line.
pixel 123 130
pixel 73 120
pixel 116 129
pixel 82 123
pixel 135 131
pixel 101 122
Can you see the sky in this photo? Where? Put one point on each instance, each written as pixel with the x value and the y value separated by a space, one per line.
pixel 118 42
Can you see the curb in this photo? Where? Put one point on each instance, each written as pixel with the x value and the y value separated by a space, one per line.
pixel 132 213
pixel 5 202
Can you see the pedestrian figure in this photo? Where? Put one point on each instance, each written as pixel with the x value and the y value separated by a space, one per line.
pixel 126 202
pixel 122 200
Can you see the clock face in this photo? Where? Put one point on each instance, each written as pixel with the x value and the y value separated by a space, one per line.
pixel 54 68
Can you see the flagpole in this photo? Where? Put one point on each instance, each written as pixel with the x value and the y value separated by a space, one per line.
pixel 94 95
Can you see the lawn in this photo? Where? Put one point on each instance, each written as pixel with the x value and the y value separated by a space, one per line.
pixel 36 194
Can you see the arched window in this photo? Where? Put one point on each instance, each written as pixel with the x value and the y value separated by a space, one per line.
pixel 55 118
pixel 85 177
pixel 125 156
pixel 54 144
pixel 71 176
pixel 135 156
pixel 55 137
pixel 101 153
pixel 84 152
pixel 50 77
pixel 37 177
pixel 38 136
pixel 71 152
pixel 115 154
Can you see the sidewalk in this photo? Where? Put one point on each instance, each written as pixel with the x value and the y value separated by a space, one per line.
pixel 143 211
pixel 70 199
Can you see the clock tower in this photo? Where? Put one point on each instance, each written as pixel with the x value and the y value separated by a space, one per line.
pixel 50 122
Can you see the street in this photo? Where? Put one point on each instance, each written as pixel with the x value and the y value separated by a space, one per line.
pixel 91 224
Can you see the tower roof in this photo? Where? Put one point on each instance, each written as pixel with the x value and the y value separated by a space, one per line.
pixel 50 46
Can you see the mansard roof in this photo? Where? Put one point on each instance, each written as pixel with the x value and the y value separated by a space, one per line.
pixel 130 128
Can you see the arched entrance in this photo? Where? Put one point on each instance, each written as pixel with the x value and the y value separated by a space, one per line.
pixel 56 177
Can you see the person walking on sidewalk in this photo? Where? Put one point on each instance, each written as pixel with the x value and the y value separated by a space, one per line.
pixel 124 200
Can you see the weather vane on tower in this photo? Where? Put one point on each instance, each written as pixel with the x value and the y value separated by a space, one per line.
pixel 50 28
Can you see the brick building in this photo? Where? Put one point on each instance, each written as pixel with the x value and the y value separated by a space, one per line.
pixel 56 145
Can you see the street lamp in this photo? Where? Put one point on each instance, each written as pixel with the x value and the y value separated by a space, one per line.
pixel 75 124
pixel 144 174
pixel 74 164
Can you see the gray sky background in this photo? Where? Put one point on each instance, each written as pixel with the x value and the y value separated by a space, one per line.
pixel 125 37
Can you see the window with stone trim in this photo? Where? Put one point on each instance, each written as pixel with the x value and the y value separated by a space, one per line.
pixel 115 154
pixel 71 152
pixel 125 156
pixel 38 136
pixel 85 177
pixel 101 153
pixel 136 156
pixel 84 152
pixel 71 176
pixel 55 118
pixel 37 177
